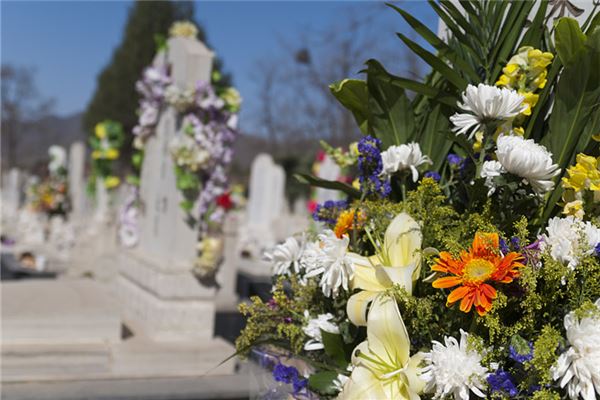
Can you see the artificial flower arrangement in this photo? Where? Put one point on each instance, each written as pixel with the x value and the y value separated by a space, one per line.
pixel 105 143
pixel 467 263
pixel 202 149
pixel 50 196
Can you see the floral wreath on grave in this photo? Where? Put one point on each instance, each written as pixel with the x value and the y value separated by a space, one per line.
pixel 105 143
pixel 203 148
pixel 50 196
pixel 473 239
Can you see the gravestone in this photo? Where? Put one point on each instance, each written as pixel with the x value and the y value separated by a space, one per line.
pixel 159 291
pixel 77 181
pixel 330 171
pixel 266 204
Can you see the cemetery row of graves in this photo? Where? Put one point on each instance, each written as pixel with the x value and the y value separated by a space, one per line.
pixel 107 278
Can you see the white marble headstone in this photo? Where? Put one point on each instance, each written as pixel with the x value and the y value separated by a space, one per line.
pixel 77 179
pixel 330 171
pixel 165 235
pixel 266 204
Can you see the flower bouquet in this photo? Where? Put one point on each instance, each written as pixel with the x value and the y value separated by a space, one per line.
pixel 467 263
pixel 50 196
pixel 105 143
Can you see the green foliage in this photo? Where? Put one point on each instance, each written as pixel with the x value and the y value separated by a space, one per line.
pixel 322 382
pixel 266 323
pixel 544 353
pixel 575 116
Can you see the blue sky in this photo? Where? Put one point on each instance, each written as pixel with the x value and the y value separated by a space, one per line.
pixel 68 43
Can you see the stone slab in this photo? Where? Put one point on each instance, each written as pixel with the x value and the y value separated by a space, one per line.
pixel 55 312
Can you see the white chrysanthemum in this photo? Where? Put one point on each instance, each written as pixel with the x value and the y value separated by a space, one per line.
pixel 313 329
pixel 330 260
pixel 187 152
pixel 286 257
pixel 484 104
pixel 528 160
pixel 578 368
pixel 569 239
pixel 180 99
pixel 453 369
pixel 403 157
pixel 490 170
pixel 58 158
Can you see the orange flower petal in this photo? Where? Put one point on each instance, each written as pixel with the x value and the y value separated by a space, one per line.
pixel 458 294
pixel 446 282
pixel 484 242
pixel 467 302
pixel 488 291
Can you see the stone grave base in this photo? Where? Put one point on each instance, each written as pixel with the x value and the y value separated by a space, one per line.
pixel 164 305
pixel 58 312
pixel 68 334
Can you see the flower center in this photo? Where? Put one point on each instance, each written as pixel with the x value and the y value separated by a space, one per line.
pixel 478 270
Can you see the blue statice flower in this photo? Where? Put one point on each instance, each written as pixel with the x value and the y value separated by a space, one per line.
pixel 455 160
pixel 504 246
pixel 519 355
pixel 433 174
pixel 501 381
pixel 370 167
pixel 516 243
pixel 597 250
pixel 290 375
pixel 328 212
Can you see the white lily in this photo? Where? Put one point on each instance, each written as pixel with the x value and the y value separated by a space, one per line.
pixel 383 368
pixel 397 262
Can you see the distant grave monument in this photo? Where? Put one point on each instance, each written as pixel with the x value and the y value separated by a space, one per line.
pixel 329 171
pixel 156 282
pixel 266 204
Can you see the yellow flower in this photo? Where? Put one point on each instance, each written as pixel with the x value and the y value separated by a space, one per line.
pixel 96 154
pixel 111 154
pixel 356 184
pixel 504 80
pixel 596 137
pixel 585 174
pixel 574 208
pixel 383 367
pixel 519 131
pixel 347 221
pixel 183 29
pixel 111 182
pixel 530 100
pixel 397 262
pixel 100 131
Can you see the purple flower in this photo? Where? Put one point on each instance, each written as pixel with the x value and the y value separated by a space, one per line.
pixel 283 373
pixel 516 243
pixel 597 249
pixel 519 355
pixel 454 160
pixel 370 167
pixel 433 174
pixel 288 320
pixel 504 246
pixel 272 304
pixel 290 375
pixel 329 211
pixel 500 381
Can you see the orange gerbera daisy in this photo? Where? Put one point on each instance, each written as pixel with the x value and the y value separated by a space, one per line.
pixel 473 269
pixel 348 220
